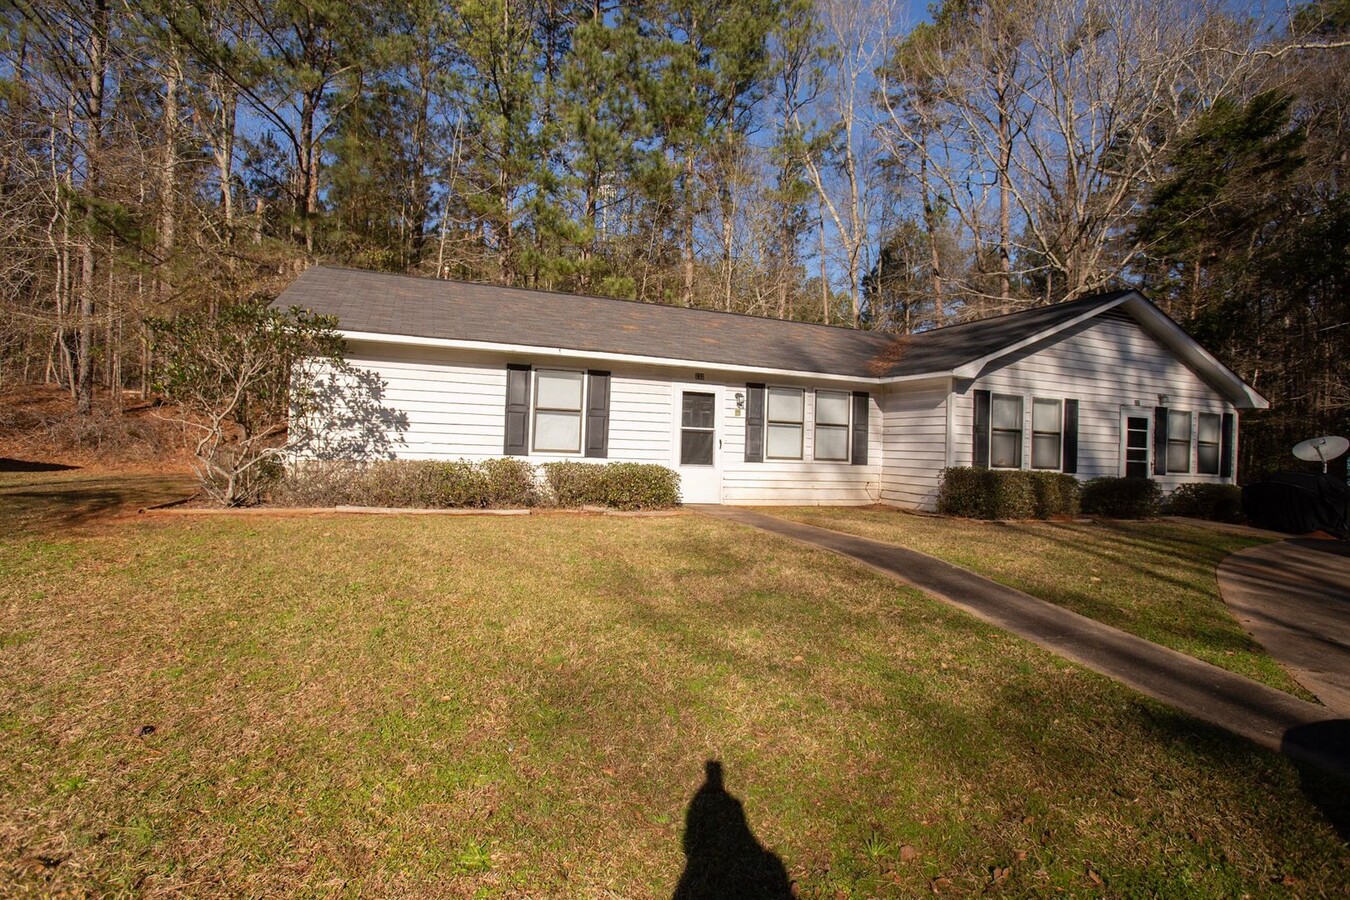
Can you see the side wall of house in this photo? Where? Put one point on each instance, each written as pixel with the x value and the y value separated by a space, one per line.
pixel 1108 364
pixel 914 443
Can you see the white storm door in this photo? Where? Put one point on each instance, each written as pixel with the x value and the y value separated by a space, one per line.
pixel 1136 442
pixel 698 442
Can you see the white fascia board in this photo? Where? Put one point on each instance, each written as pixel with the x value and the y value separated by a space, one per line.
pixel 1192 353
pixel 972 369
pixel 631 359
pixel 935 377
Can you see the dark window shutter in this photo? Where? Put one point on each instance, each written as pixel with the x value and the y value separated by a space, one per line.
pixel 597 414
pixel 980 452
pixel 1071 437
pixel 861 408
pixel 517 410
pixel 1226 435
pixel 1160 440
pixel 754 423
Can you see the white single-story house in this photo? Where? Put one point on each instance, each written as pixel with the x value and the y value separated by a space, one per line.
pixel 750 410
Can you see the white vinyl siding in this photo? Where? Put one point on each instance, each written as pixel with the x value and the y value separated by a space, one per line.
pixel 1107 365
pixel 455 405
pixel 914 444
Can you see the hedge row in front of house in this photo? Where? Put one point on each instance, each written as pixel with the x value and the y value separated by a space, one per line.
pixel 1006 494
pixel 487 484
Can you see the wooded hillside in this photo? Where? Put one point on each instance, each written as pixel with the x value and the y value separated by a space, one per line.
pixel 822 160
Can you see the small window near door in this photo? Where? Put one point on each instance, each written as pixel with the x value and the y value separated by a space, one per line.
pixel 698 416
pixel 557 411
pixel 1208 429
pixel 1178 441
pixel 1047 433
pixel 1005 433
pixel 831 425
pixel 784 429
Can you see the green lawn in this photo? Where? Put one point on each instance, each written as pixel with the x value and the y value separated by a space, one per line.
pixel 524 706
pixel 1153 579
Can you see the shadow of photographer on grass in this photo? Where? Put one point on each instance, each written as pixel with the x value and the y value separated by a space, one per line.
pixel 723 859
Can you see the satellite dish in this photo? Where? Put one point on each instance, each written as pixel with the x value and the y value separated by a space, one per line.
pixel 1321 449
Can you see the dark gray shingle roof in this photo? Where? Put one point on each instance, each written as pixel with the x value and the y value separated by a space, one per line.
pixel 454 310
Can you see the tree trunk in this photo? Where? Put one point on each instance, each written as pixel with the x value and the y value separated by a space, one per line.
pixel 687 228
pixel 223 151
pixel 930 225
pixel 1004 195
pixel 98 71
pixel 168 177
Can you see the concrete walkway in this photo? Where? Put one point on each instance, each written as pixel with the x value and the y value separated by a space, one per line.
pixel 1294 597
pixel 1272 718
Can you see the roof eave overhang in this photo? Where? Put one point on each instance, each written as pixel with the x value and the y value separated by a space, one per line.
pixel 599 356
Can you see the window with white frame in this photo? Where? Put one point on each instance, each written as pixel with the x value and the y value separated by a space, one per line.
pixel 1209 426
pixel 831 425
pixel 557 411
pixel 1178 441
pixel 1005 432
pixel 784 428
pixel 1047 433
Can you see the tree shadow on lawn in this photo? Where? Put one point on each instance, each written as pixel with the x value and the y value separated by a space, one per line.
pixel 65 503
pixel 1329 743
pixel 723 858
pixel 8 464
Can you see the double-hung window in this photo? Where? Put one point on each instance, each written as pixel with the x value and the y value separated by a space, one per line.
pixel 786 408
pixel 1005 432
pixel 831 425
pixel 1047 433
pixel 557 411
pixel 1178 441
pixel 1209 426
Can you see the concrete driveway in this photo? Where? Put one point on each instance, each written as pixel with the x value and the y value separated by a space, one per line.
pixel 1294 597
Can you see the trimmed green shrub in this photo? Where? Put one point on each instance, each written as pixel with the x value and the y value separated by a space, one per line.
pixel 1006 494
pixel 617 485
pixel 573 483
pixel 1215 502
pixel 316 483
pixel 963 493
pixel 640 486
pixel 421 483
pixel 490 484
pixel 411 483
pixel 1056 494
pixel 509 483
pixel 1121 498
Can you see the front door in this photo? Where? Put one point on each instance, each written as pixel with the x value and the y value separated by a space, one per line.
pixel 698 445
pixel 1135 444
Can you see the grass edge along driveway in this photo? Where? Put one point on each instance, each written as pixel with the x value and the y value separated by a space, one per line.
pixel 1155 580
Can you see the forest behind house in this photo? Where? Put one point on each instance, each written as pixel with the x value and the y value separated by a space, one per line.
pixel 815 160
